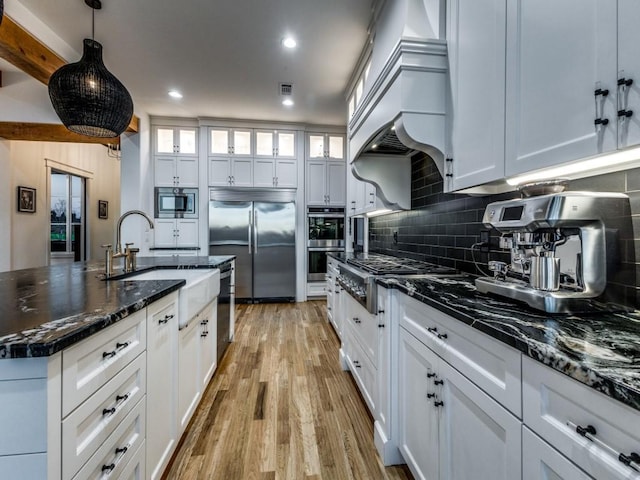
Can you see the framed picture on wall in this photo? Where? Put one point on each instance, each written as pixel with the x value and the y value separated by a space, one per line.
pixel 103 209
pixel 27 199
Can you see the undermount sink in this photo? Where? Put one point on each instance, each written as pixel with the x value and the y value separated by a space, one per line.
pixel 202 286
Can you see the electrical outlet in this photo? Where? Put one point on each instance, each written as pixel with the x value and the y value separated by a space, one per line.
pixel 484 241
pixel 395 238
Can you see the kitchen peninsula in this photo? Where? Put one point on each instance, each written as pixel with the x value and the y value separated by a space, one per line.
pixel 77 376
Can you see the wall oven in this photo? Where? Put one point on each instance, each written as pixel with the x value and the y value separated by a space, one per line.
pixel 325 234
pixel 175 202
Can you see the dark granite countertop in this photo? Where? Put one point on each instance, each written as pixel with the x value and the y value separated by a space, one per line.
pixel 44 310
pixel 600 349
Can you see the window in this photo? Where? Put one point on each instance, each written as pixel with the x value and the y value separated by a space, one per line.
pixel 67 217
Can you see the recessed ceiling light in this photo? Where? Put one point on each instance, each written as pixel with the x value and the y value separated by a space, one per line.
pixel 289 42
pixel 287 102
pixel 175 94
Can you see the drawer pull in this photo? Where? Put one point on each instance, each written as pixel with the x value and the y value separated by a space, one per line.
pixel 438 404
pixel 381 325
pixel 122 397
pixel 108 468
pixel 583 431
pixel 442 336
pixel 204 322
pixel 357 320
pixel 109 354
pixel 204 334
pixel 431 395
pixel 120 346
pixel 433 330
pixel 165 319
pixel 122 450
pixel 431 375
pixel 380 311
pixel 109 411
pixel 628 459
pixel 438 382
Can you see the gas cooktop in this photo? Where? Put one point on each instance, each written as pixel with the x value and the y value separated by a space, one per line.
pixel 377 264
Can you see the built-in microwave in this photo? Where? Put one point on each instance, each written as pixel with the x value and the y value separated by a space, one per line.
pixel 176 202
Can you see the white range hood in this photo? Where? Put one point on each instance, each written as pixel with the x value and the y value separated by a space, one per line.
pixel 404 100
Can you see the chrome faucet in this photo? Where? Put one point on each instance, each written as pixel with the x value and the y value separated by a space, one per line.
pixel 129 254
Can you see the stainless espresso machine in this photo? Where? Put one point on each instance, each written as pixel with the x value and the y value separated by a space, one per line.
pixel 565 249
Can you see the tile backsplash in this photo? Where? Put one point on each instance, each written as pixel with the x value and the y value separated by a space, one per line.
pixel 441 227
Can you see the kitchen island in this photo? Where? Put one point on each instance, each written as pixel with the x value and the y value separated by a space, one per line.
pixel 93 370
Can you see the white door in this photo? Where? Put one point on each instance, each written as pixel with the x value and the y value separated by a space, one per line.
pixel 188 373
pixel 317 182
pixel 629 69
pixel 540 461
pixel 207 336
pixel 187 171
pixel 164 232
pixel 286 173
pixel 264 172
pixel 187 232
pixel 478 437
pixel 165 171
pixel 242 172
pixel 162 329
pixel 219 171
pixel 418 415
pixel 336 183
pixel 477 43
pixel 558 55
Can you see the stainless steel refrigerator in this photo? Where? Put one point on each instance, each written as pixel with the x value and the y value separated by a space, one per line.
pixel 258 227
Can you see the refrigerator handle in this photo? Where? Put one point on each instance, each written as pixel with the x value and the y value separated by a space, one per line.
pixel 249 231
pixel 255 232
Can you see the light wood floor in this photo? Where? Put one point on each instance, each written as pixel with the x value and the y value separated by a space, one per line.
pixel 279 407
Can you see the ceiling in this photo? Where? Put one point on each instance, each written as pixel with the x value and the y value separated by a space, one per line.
pixel 225 56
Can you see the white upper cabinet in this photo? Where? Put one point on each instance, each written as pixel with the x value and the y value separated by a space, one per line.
pixel 176 171
pixel 476 42
pixel 328 146
pixel 275 143
pixel 176 140
pixel 230 141
pixel 561 82
pixel 628 71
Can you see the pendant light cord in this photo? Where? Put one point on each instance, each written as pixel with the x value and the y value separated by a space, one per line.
pixel 93 24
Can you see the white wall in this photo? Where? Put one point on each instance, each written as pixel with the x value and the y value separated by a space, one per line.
pixel 29 164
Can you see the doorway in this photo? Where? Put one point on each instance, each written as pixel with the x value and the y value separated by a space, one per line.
pixel 68 226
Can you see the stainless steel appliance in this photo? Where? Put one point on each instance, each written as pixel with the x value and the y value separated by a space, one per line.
pixel 358 276
pixel 565 248
pixel 258 227
pixel 175 202
pixel 325 234
pixel 224 310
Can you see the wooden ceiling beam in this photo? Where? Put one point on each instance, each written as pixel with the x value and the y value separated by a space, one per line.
pixel 26 52
pixel 47 132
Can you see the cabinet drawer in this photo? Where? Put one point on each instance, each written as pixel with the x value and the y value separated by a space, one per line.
pixel 490 364
pixel 89 364
pixel 116 452
pixel 551 400
pixel 540 461
pixel 363 371
pixel 135 469
pixel 365 329
pixel 92 422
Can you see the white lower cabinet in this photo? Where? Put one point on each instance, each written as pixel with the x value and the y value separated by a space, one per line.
pixel 162 357
pixel 208 343
pixel 558 408
pixel 135 469
pixel 449 428
pixel 540 461
pixel 188 379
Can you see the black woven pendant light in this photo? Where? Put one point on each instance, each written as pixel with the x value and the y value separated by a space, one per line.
pixel 88 98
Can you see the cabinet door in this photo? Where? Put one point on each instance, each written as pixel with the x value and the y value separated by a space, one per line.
pixel 264 172
pixel 477 44
pixel 265 144
pixel 187 141
pixel 164 232
pixel 478 437
pixel 418 417
pixel 187 232
pixel 162 349
pixel 286 173
pixel 165 171
pixel 219 141
pixel 187 171
pixel 558 54
pixel 316 147
pixel 219 171
pixel 188 374
pixel 316 182
pixel 207 338
pixel 242 172
pixel 286 144
pixel 540 461
pixel 335 147
pixel 629 68
pixel 241 146
pixel 336 183
pixel 165 140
